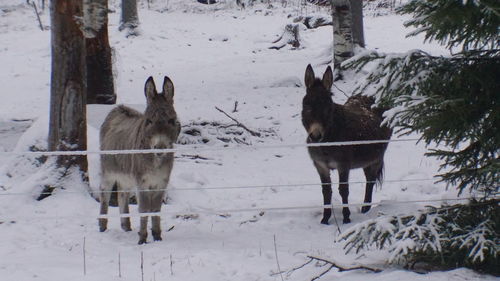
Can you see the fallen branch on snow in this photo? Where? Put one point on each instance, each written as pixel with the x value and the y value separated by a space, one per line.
pixel 331 265
pixel 238 123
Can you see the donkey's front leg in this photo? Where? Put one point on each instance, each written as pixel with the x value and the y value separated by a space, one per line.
pixel 344 193
pixel 326 184
pixel 156 200
pixel 144 207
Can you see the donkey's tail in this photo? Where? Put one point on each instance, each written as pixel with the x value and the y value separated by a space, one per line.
pixel 379 174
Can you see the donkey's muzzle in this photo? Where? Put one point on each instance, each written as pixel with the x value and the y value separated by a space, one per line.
pixel 315 137
pixel 162 154
pixel 316 132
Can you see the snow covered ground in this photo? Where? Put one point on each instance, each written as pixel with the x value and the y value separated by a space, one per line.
pixel 216 56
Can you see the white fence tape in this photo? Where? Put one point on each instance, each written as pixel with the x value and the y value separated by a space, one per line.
pixel 197 148
pixel 225 212
pixel 291 185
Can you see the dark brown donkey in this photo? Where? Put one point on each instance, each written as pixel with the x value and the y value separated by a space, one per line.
pixel 326 121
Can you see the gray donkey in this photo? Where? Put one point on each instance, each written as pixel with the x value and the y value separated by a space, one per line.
pixel 356 120
pixel 124 129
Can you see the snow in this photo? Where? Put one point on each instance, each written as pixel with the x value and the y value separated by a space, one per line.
pixel 216 55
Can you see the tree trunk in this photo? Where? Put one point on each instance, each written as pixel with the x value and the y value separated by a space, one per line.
pixel 343 45
pixel 129 18
pixel 100 87
pixel 357 22
pixel 347 16
pixel 68 127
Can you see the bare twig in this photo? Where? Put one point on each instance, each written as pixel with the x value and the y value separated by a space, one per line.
pixel 119 265
pixel 341 268
pixel 340 90
pixel 84 258
pixel 323 273
pixel 289 272
pixel 331 265
pixel 142 266
pixel 195 156
pixel 277 260
pixel 33 4
pixel 336 222
pixel 171 265
pixel 235 109
pixel 238 123
pixel 240 141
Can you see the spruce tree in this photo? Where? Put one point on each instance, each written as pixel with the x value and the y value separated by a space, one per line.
pixel 452 101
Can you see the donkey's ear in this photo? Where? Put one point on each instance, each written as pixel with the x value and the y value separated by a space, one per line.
pixel 150 89
pixel 168 87
pixel 328 78
pixel 309 76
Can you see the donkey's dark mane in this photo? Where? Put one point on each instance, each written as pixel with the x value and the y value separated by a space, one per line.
pixel 129 112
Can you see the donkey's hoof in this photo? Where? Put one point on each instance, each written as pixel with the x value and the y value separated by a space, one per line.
pixel 126 227
pixel 346 220
pixel 142 238
pixel 365 209
pixel 156 236
pixel 103 225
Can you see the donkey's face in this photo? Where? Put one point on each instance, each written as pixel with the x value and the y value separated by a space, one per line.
pixel 161 127
pixel 317 104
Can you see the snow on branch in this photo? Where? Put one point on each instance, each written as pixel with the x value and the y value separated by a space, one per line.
pixel 458 235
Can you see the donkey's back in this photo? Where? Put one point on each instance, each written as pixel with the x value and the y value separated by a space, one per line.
pixel 120 131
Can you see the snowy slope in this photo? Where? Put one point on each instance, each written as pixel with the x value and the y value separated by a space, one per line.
pixel 216 56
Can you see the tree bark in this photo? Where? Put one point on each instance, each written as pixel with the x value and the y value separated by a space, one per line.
pixel 357 22
pixel 67 127
pixel 343 45
pixel 347 16
pixel 100 87
pixel 129 18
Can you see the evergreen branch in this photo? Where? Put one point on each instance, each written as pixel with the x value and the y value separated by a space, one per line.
pixel 458 235
pixel 448 100
pixel 470 24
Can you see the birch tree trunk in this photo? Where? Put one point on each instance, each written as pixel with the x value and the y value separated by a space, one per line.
pixel 347 16
pixel 343 45
pixel 129 19
pixel 67 127
pixel 100 86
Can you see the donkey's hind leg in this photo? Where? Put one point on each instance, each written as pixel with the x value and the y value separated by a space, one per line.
pixel 123 198
pixel 106 187
pixel 372 174
pixel 326 184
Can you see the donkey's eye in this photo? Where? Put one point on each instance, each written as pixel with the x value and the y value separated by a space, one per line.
pixel 148 122
pixel 171 121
